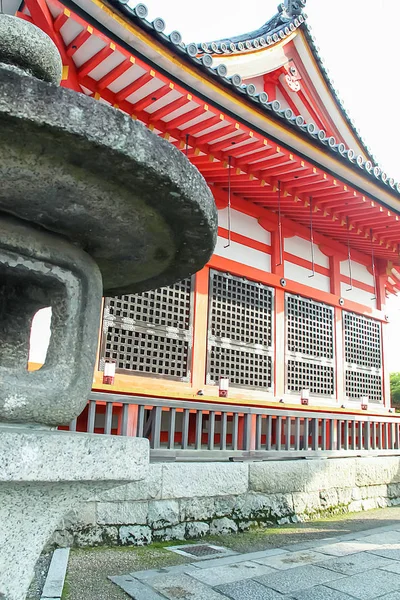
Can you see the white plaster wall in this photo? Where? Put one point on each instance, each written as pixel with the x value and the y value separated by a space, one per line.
pixel 243 254
pixel 302 275
pixel 357 295
pixel 358 271
pixel 245 225
pixel 302 248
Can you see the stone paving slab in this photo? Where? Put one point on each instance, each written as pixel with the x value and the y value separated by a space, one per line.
pixel 392 552
pixel 183 587
pixel 291 560
pixel 300 578
pixel 368 586
pixel 346 548
pixel 392 566
pixel 320 592
pixel 136 589
pixel 230 560
pixel 249 590
pixel 230 573
pixel 358 563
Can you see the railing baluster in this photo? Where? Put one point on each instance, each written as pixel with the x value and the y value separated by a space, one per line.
pixel 367 435
pixel 314 433
pixel 268 441
pixel 339 434
pixel 235 431
pixel 380 447
pixel 397 436
pixel 124 425
pixel 258 431
pixel 224 429
pixel 185 429
pixel 392 442
pixel 91 416
pixel 373 435
pixel 306 432
pixel 108 419
pixel 346 434
pixel 360 435
pixel 385 436
pixel 332 423
pixel 211 430
pixel 353 434
pixel 199 429
pixel 140 423
pixel 323 434
pixel 72 425
pixel 279 433
pixel 247 432
pixel 171 428
pixel 156 427
pixel 288 431
pixel 297 433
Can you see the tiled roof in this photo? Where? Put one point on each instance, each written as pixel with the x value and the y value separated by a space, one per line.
pixel 204 60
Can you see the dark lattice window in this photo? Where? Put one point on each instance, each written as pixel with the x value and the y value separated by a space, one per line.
pixel 310 348
pixel 363 357
pixel 150 333
pixel 240 332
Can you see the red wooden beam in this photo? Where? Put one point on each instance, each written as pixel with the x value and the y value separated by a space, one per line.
pixel 131 88
pixel 157 115
pixel 78 41
pixel 113 74
pixel 94 62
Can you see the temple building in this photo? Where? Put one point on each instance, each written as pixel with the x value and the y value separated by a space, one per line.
pixel 290 311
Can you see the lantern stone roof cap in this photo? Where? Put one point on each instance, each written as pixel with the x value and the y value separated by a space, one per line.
pixel 90 173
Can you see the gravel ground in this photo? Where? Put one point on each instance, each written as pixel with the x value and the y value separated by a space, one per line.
pixel 88 569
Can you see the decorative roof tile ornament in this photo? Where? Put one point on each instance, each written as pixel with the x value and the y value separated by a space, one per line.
pixel 292 8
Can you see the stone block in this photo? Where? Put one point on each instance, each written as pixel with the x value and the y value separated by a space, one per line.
pixel 166 534
pixel 204 479
pixel 224 506
pixel 163 513
pixel 122 513
pixel 273 478
pixel 135 535
pixel 196 530
pixel 223 526
pixel 306 503
pixel 84 514
pixel 355 506
pixel 344 496
pixel 198 509
pixel 377 470
pixel 96 536
pixel 393 490
pixel 147 489
pixel 328 498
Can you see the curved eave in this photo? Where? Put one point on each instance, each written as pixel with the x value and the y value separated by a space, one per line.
pixel 367 176
pixel 264 37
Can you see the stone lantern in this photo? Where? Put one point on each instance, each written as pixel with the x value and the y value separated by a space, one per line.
pixel 91 204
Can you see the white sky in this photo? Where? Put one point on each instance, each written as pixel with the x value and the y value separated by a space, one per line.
pixel 360 47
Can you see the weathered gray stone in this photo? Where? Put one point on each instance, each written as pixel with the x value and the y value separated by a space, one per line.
pixel 197 530
pixel 228 573
pixel 43 475
pixel 301 578
pixel 147 489
pixel 82 515
pixel 198 509
pixel 52 272
pixel 122 513
pixel 204 479
pixel 135 535
pixel 306 503
pixel 377 470
pixel 166 534
pixel 183 586
pixel 142 211
pixel 163 513
pixel 374 586
pixel 248 590
pixel 223 526
pixel 25 46
pixel 87 537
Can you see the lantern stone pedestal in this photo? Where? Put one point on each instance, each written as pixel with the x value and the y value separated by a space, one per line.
pixel 91 204
pixel 44 475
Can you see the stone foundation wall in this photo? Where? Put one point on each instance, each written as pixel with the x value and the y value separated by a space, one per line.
pixel 188 500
